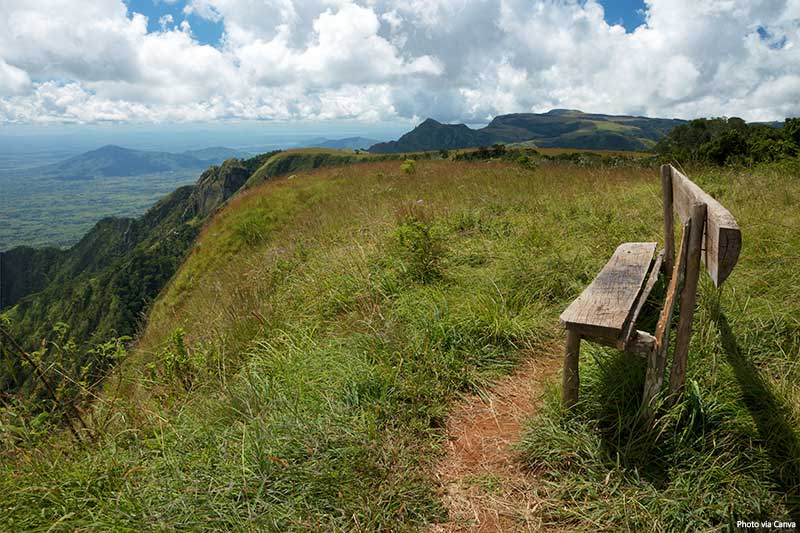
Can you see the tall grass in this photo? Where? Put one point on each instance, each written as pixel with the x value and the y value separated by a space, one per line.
pixel 297 372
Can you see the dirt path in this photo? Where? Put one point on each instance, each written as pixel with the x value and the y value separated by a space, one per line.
pixel 485 488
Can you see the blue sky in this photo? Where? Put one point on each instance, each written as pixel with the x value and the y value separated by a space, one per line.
pixel 629 13
pixel 205 31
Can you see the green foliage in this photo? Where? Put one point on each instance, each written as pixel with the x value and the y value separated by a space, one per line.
pixel 66 379
pixel 791 129
pixel 526 161
pixel 724 148
pixel 730 141
pixel 409 166
pixel 179 366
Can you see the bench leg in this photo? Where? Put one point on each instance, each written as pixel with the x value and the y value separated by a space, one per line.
pixel 653 381
pixel 570 378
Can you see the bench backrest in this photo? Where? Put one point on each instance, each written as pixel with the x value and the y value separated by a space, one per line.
pixel 722 239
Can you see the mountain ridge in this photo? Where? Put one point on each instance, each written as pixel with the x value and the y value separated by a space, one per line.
pixel 558 128
pixel 113 160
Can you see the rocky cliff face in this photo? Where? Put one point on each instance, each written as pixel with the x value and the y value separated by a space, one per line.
pixel 217 184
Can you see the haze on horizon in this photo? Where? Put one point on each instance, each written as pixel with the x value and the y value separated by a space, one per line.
pixel 385 62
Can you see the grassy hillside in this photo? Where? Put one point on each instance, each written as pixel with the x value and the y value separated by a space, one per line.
pixel 297 371
pixel 304 159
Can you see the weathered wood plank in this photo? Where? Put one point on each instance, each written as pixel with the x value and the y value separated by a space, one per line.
pixel 669 228
pixel 606 304
pixel 627 331
pixel 677 377
pixel 723 239
pixel 675 281
pixel 570 380
pixel 657 358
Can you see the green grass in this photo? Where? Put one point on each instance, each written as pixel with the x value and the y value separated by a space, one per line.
pixel 298 371
pixel 305 159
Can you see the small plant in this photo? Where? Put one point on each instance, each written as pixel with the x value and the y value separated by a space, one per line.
pixel 179 366
pixel 409 166
pixel 420 245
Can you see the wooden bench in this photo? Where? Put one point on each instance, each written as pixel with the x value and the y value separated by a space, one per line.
pixel 607 310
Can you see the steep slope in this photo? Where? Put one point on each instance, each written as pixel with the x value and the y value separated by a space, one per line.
pixel 25 270
pixel 101 286
pixel 559 128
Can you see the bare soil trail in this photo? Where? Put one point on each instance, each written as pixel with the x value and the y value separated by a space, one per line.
pixel 483 482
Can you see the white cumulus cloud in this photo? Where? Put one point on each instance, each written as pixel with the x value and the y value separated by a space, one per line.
pixel 455 60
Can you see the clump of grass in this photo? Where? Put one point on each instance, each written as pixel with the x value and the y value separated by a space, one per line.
pixel 419 244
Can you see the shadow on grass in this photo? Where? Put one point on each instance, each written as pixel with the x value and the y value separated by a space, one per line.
pixel 625 436
pixel 769 414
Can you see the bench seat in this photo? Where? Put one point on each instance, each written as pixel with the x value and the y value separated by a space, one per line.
pixel 609 306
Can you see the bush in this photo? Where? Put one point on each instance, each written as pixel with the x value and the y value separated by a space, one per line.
pixel 526 162
pixel 409 166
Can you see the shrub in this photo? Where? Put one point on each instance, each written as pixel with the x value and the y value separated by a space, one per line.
pixel 409 166
pixel 527 162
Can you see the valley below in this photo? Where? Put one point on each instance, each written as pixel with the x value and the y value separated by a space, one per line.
pixel 45 211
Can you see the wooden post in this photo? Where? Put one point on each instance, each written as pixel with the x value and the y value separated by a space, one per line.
pixel 570 380
pixel 677 377
pixel 669 230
